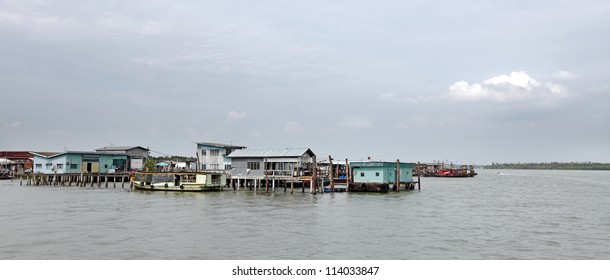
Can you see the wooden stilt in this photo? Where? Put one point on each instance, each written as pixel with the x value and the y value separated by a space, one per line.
pixel 347 174
pixel 330 174
pixel 397 184
pixel 266 177
pixel 314 177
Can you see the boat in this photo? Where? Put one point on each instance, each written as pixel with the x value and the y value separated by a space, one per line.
pixel 453 172
pixel 336 188
pixel 179 181
pixel 439 170
pixel 6 175
pixel 368 187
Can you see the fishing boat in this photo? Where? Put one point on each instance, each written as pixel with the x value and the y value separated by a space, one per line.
pixel 439 170
pixel 453 172
pixel 179 181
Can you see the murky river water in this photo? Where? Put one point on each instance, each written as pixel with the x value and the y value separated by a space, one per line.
pixel 517 215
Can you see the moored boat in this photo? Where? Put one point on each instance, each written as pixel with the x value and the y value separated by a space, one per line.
pixel 179 181
pixel 368 187
pixel 439 170
pixel 6 175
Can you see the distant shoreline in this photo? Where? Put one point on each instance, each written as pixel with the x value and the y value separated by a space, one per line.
pixel 551 166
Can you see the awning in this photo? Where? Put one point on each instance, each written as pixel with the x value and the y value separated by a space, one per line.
pixel 5 161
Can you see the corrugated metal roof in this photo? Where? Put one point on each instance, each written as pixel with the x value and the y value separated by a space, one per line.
pixel 120 148
pixel 269 153
pixel 219 145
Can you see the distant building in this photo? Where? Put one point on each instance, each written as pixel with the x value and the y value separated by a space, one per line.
pixel 77 162
pixel 137 155
pixel 380 172
pixel 276 163
pixel 213 156
pixel 22 161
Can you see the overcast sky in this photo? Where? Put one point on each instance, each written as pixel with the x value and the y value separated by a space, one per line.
pixel 466 81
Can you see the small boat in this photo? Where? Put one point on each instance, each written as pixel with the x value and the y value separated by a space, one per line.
pixel 179 181
pixel 368 187
pixel 6 175
pixel 337 188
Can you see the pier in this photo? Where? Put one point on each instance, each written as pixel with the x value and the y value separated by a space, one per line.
pixel 76 179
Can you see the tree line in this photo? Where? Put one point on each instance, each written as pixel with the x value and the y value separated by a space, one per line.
pixel 552 165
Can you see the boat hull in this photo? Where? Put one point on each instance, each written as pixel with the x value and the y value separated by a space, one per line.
pixel 368 187
pixel 181 188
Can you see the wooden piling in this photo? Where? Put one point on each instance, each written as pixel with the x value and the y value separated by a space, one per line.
pixel 314 176
pixel 266 177
pixel 397 185
pixel 347 174
pixel 418 179
pixel 330 174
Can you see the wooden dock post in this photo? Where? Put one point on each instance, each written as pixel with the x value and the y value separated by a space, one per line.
pixel 418 179
pixel 266 177
pixel 314 176
pixel 292 184
pixel 397 185
pixel 330 174
pixel 347 174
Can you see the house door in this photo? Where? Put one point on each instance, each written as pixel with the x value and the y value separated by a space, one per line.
pixel 89 167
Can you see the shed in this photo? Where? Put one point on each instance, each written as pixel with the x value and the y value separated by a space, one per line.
pixel 381 172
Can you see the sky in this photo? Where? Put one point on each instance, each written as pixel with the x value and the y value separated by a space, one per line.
pixel 470 82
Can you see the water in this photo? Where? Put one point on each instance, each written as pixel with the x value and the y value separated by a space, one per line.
pixel 518 215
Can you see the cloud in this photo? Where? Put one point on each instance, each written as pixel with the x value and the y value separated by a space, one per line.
pixel 565 75
pixel 293 127
pixel 392 97
pixel 518 86
pixel 10 124
pixel 234 115
pixel 355 122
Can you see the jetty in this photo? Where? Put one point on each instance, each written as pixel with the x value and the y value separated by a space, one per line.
pixel 76 179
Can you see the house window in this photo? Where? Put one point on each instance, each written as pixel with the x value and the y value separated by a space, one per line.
pixel 254 165
pixel 213 166
pixel 377 174
pixel 214 152
pixel 73 166
pixel 202 152
pixel 361 174
pixel 39 166
pixel 60 166
pixel 49 165
pixel 227 167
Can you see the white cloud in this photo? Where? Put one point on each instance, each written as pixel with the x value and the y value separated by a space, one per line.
pixel 234 115
pixel 516 79
pixel 518 86
pixel 565 75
